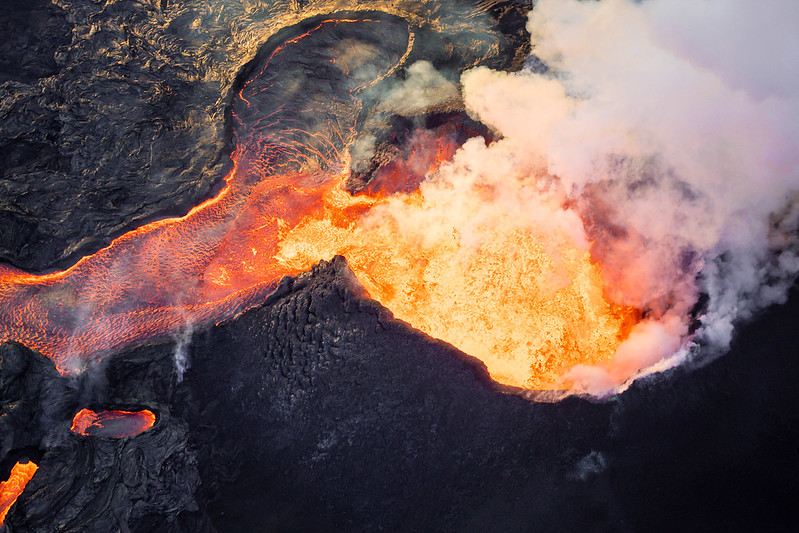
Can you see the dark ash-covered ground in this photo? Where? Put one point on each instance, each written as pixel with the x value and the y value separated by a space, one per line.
pixel 317 411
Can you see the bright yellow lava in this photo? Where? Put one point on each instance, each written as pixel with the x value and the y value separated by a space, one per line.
pixel 464 268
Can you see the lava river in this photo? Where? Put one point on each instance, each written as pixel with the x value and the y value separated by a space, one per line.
pixel 451 260
pixel 11 488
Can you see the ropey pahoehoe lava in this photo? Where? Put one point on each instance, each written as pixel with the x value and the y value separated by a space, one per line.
pixel 603 198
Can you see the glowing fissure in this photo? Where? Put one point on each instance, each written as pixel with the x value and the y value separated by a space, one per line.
pixel 10 489
pixel 112 424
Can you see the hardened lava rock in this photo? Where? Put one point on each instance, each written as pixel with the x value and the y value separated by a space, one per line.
pixel 113 114
pixel 339 417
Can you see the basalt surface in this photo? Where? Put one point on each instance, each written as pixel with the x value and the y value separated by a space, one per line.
pixel 113 114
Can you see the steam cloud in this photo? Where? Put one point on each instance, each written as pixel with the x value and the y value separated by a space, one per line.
pixel 670 128
pixel 181 354
pixel 423 89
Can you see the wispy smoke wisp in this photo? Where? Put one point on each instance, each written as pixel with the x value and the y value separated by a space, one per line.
pixel 181 354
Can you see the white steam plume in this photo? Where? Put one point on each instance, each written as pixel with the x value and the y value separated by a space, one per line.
pixel 423 88
pixel 671 126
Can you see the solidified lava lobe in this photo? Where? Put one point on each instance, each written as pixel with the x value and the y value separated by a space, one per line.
pixel 112 424
pixel 10 489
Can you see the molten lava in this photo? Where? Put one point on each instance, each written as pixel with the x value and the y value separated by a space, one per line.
pixel 454 257
pixel 10 489
pixel 218 259
pixel 112 424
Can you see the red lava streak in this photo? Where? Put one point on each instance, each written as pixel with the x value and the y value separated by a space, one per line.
pixel 10 489
pixel 112 424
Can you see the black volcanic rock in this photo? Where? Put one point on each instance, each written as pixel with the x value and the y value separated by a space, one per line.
pixel 320 412
pixel 715 448
pixel 32 396
pixel 346 419
pixel 112 126
pixel 86 483
pixel 338 417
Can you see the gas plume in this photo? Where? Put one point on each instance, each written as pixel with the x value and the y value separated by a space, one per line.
pixel 181 355
pixel 670 130
pixel 423 89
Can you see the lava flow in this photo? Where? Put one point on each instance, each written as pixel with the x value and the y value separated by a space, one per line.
pixel 462 264
pixel 218 259
pixel 10 489
pixel 453 257
pixel 112 424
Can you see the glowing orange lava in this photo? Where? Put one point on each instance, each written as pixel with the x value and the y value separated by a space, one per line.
pixel 450 257
pixel 460 267
pixel 112 424
pixel 10 489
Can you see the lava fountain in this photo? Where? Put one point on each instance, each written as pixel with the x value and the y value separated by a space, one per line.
pixel 506 282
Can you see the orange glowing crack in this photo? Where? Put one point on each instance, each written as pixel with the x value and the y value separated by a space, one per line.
pixel 112 424
pixel 10 489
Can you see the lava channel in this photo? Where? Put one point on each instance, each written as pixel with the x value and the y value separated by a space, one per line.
pixel 10 489
pixel 217 260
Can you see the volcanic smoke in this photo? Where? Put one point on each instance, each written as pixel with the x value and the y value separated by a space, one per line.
pixel 649 163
